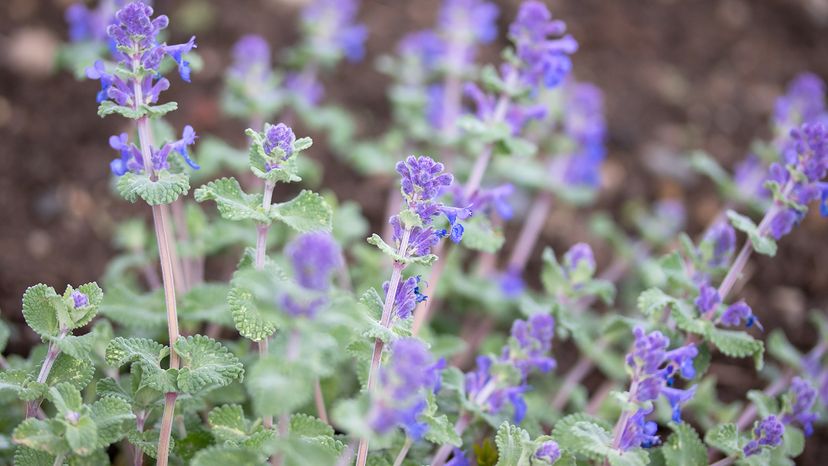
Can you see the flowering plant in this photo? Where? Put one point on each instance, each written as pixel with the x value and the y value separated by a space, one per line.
pixel 321 347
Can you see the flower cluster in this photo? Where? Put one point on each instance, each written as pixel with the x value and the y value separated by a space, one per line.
pixel 79 299
pixel 136 83
pixel 548 451
pixel 708 302
pixel 332 28
pixel 423 181
pixel 314 258
pixel 543 60
pixel 584 123
pixel 251 59
pixel 88 24
pixel 527 351
pixel 403 387
pixel 768 432
pixel 802 396
pixel 131 159
pixel 654 369
pixel 800 178
pixel 804 102
pixel 721 238
pixel 406 298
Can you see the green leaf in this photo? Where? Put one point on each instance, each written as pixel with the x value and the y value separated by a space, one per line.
pixel 780 348
pixel 205 362
pixel 271 374
pixel 206 302
pixel 143 312
pixel 765 405
pixel 25 456
pixel 39 302
pixel 514 447
pixel 725 438
pixel 228 423
pixel 223 455
pixel 77 347
pixel 108 107
pixel 22 383
pixel 793 441
pixel 164 190
pixel 82 436
pixel 761 243
pixel 480 235
pixel 157 111
pixel 583 434
pixel 41 435
pixel 308 426
pixel 147 354
pixel 78 372
pixel 738 344
pixel 440 429
pixel 654 300
pixel 304 213
pixel 78 317
pixel 66 398
pixel 248 319
pixel 684 447
pixel 377 241
pixel 232 202
pixel 112 416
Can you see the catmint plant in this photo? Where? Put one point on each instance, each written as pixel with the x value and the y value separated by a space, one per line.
pixel 341 361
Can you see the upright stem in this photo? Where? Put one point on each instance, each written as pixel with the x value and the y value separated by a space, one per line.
pixel 385 320
pixel 531 230
pixel 258 263
pixel 138 452
pixel 33 407
pixel 319 399
pixel 59 459
pixel 403 452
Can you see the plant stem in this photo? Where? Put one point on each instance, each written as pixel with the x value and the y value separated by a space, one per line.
pixel 574 377
pixel 259 262
pixel 529 234
pixel 59 459
pixel 724 461
pixel 319 399
pixel 403 451
pixel 33 407
pixel 385 321
pixel 138 452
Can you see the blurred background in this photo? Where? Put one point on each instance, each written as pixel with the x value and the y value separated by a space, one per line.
pixel 677 75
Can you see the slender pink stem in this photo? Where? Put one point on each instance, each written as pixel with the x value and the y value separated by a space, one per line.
pixel 403 452
pixel 385 321
pixel 445 450
pixel 138 452
pixel 531 230
pixel 258 263
pixel 33 407
pixel 319 399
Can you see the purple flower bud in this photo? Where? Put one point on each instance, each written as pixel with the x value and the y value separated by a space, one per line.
pixel 750 175
pixel 403 386
pixel 530 344
pixel 177 53
pixel 332 28
pixel 304 86
pixel 804 102
pixel 511 283
pixel 544 61
pixel 767 433
pixel 722 237
pixel 638 432
pixel 251 55
pixel 469 20
pixel 803 396
pixel 279 137
pixel 738 312
pixel 422 179
pixel 407 297
pixel 80 299
pixel 708 299
pixel 783 222
pixel 314 257
pixel 548 451
pixel 579 257
pixel 425 47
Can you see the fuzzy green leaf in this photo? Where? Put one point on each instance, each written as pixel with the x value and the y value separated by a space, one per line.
pixel 66 398
pixel 306 212
pixel 112 417
pixel 291 380
pixel 684 447
pixel 780 348
pixel 583 434
pixel 377 241
pixel 308 426
pixel 480 235
pixel 22 383
pixel 228 423
pixel 41 435
pixel 248 319
pixel 166 189
pixel 761 243
pixel 514 447
pixel 725 438
pixel 78 372
pixel 738 344
pixel 108 107
pixel 157 111
pixel 39 309
pixel 143 312
pixel 232 202
pixel 223 455
pixel 82 436
pixel 146 353
pixel 205 362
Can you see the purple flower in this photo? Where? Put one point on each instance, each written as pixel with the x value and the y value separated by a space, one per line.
pixel 87 24
pixel 333 30
pixel 404 384
pixel 722 239
pixel 304 86
pixel 423 180
pixel 177 53
pixel 407 297
pixel 653 374
pixel 802 396
pixel 279 137
pixel 767 433
pixel 543 60
pixel 738 312
pixel 130 159
pixel 469 21
pixel 314 257
pixel 159 157
pixel 804 102
pixel 708 299
pixel 424 47
pixel 459 458
pixel 528 351
pixel 750 175
pixel 638 431
pixel 79 299
pixel 579 262
pixel 251 58
pixel 511 283
pixel 548 451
